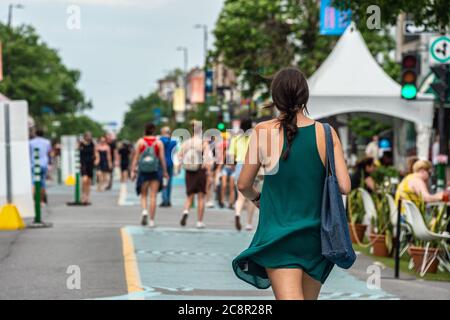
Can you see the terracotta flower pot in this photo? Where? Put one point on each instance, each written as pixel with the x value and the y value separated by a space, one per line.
pixel 417 254
pixel 359 230
pixel 379 246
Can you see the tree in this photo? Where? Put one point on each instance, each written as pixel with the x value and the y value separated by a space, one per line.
pixel 431 13
pixel 141 112
pixel 56 126
pixel 35 72
pixel 257 38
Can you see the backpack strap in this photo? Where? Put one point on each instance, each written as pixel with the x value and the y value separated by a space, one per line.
pixel 330 166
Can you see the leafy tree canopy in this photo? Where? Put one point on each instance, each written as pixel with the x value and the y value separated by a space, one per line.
pixel 141 112
pixel 56 126
pixel 431 13
pixel 34 72
pixel 257 38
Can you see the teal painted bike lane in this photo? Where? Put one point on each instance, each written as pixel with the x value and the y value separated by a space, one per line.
pixel 191 264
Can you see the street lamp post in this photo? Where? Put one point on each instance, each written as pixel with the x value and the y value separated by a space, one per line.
pixel 10 11
pixel 205 39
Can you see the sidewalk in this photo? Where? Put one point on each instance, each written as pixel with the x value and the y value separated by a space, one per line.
pixel 119 259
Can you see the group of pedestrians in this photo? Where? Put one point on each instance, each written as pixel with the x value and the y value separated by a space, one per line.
pixel 102 157
pixel 211 165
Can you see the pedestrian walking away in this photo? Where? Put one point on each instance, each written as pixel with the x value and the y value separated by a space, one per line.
pixel 149 167
pixel 169 148
pixel 111 140
pixel 285 252
pixel 238 150
pixel 124 153
pixel 196 159
pixel 103 163
pixel 88 156
pixel 45 148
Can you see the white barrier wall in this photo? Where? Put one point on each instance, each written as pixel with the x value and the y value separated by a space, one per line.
pixel 68 148
pixel 20 158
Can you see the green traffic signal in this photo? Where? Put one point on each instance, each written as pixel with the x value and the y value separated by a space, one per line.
pixel 409 91
pixel 221 126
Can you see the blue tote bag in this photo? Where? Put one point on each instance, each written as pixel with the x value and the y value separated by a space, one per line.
pixel 334 233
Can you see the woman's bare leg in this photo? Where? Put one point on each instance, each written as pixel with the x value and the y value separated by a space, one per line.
pixel 154 187
pixel 224 189
pixel 232 192
pixel 144 195
pixel 311 287
pixel 286 283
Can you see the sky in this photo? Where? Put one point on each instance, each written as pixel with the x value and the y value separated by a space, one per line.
pixel 123 46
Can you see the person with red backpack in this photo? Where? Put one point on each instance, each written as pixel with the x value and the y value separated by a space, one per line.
pixel 149 165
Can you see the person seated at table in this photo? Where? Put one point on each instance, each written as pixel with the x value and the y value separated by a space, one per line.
pixel 362 174
pixel 414 186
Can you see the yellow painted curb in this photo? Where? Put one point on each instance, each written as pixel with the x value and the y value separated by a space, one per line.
pixel 131 268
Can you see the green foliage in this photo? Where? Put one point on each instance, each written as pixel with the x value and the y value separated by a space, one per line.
pixel 56 126
pixel 257 38
pixel 381 223
pixel 432 13
pixel 364 127
pixel 383 175
pixel 356 210
pixel 141 112
pixel 35 72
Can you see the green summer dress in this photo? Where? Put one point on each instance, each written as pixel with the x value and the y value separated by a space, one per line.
pixel 288 232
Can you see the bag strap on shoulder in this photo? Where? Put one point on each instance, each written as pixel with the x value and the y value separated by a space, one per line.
pixel 329 150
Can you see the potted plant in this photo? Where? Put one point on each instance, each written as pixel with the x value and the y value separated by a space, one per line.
pixel 436 222
pixel 381 233
pixel 356 214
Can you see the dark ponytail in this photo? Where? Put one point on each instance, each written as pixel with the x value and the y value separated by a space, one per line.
pixel 290 94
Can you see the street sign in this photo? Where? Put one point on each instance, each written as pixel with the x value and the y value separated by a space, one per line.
pixel 332 21
pixel 410 29
pixel 209 81
pixel 439 50
pixel 157 116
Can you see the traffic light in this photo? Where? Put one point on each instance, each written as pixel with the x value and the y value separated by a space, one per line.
pixel 220 123
pixel 410 75
pixel 441 84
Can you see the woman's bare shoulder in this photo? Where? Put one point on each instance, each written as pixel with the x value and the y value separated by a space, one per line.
pixel 269 124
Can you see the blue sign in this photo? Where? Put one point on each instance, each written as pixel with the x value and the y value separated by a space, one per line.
pixel 209 81
pixel 157 115
pixel 333 22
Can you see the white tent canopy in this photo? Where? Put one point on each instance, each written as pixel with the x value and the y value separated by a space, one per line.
pixel 350 80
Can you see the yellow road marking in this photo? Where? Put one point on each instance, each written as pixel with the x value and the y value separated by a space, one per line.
pixel 131 268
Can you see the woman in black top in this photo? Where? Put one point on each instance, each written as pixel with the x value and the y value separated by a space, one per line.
pixel 124 154
pixel 87 161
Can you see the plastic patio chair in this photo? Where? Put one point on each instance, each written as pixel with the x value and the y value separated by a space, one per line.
pixel 421 232
pixel 369 206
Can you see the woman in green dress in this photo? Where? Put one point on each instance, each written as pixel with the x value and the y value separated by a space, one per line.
pixel 285 252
